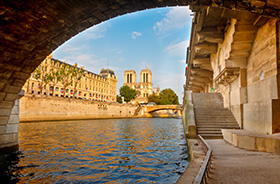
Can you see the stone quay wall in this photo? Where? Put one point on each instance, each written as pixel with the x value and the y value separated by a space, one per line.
pixel 261 112
pixel 45 108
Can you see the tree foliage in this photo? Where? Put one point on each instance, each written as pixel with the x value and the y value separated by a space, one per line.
pixel 66 74
pixel 55 78
pixel 77 74
pixel 154 98
pixel 166 97
pixel 128 93
pixel 43 75
pixel 119 99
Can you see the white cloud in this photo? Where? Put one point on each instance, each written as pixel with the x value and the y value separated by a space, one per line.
pixel 177 49
pixel 175 18
pixel 182 61
pixel 90 61
pixel 135 34
pixel 68 48
pixel 96 32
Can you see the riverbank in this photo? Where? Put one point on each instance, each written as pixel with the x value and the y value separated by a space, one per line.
pixel 47 108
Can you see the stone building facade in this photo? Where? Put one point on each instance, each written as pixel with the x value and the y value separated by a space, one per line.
pixel 144 88
pixel 100 87
pixel 237 55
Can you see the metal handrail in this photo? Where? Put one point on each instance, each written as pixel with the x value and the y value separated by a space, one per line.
pixel 205 167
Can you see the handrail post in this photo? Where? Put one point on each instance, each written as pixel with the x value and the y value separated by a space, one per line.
pixel 205 167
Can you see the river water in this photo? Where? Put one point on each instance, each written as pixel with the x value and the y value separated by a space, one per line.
pixel 98 151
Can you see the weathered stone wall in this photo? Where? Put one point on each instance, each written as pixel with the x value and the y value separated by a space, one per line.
pixel 258 110
pixel 262 62
pixel 39 108
pixel 262 81
pixel 9 128
pixel 250 95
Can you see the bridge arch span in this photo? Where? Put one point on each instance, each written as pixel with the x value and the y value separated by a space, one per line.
pixel 151 109
pixel 31 30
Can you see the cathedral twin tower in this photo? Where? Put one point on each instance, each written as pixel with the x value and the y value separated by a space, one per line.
pixel 144 88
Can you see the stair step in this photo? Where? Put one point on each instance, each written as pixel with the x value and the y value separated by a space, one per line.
pixel 220 120
pixel 211 108
pixel 214 121
pixel 218 128
pixel 217 125
pixel 211 111
pixel 214 117
pixel 208 128
pixel 212 136
pixel 210 115
pixel 209 132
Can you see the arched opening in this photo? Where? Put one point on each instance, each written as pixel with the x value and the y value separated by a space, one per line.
pixel 32 38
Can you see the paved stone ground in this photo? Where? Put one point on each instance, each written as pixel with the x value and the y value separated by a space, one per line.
pixel 234 165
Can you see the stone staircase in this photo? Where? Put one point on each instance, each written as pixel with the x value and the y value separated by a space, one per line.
pixel 211 116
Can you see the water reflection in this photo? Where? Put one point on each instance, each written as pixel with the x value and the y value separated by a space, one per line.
pixel 99 151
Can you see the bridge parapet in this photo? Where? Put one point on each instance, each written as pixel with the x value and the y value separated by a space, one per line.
pixel 154 108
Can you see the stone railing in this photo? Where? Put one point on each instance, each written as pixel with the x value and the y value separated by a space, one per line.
pixel 189 116
pixel 206 165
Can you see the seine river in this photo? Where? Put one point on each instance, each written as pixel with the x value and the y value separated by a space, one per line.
pixel 98 151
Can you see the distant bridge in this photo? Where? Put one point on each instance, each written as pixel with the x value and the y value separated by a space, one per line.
pixel 153 108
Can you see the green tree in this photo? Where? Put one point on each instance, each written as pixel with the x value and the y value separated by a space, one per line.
pixel 119 99
pixel 42 75
pixel 66 79
pixel 154 98
pixel 168 97
pixel 128 93
pixel 54 78
pixel 77 74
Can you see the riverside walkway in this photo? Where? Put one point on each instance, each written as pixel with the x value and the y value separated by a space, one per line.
pixel 235 165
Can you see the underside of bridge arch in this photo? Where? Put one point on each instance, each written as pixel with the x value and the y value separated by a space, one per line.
pixel 31 30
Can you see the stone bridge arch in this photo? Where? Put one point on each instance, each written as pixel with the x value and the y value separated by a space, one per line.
pixel 31 30
pixel 154 108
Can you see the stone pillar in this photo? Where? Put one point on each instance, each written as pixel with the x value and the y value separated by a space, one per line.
pixel 9 125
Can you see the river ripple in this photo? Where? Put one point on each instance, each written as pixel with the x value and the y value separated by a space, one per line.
pixel 99 151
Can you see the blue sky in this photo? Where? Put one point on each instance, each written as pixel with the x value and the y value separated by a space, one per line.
pixel 155 39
